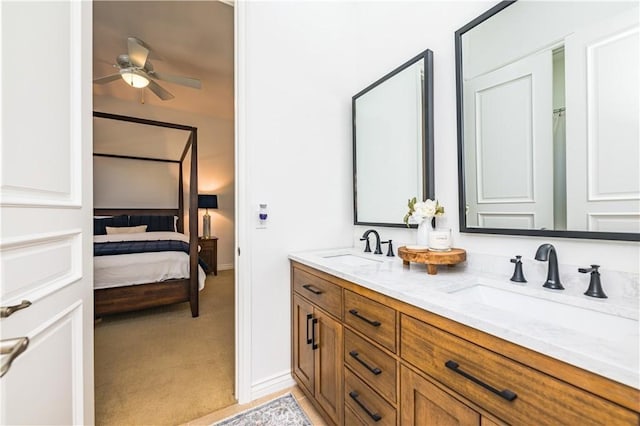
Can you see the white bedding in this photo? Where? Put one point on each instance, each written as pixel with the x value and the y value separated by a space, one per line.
pixel 141 268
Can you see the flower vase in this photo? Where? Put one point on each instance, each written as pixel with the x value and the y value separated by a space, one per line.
pixel 422 238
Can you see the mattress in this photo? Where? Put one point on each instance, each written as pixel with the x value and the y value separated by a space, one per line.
pixel 142 268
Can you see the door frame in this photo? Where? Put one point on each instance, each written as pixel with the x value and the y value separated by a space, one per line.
pixel 242 219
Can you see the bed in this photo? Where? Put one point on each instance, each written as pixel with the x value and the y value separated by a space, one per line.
pixel 150 265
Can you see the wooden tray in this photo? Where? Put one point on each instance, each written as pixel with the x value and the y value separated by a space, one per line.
pixel 432 258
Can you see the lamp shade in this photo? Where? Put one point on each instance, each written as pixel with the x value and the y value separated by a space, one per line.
pixel 207 201
pixel 134 78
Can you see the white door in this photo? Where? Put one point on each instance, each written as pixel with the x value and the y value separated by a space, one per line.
pixel 603 137
pixel 508 130
pixel 45 207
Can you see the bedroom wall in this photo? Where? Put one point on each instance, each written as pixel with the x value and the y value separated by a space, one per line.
pixel 215 166
pixel 148 184
pixel 303 62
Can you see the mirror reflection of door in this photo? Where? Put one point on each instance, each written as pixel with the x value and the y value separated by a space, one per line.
pixel 582 132
pixel 602 126
pixel 509 145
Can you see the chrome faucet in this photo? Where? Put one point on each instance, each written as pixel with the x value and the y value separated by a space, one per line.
pixel 548 252
pixel 365 237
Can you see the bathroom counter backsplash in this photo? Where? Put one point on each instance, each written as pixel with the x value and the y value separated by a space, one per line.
pixel 615 358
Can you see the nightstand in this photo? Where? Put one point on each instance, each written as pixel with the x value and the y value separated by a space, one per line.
pixel 209 253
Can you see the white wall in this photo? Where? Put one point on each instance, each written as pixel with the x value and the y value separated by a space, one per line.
pixel 296 130
pixel 302 63
pixel 420 25
pixel 216 164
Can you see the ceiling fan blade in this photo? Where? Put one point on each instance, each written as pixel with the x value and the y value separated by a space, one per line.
pixel 107 79
pixel 137 52
pixel 185 81
pixel 159 91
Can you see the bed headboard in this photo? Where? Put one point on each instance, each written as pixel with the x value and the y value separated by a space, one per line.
pixel 190 156
pixel 143 212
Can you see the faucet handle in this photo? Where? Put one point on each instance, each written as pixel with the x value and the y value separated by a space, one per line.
pixel 390 250
pixel 594 268
pixel 518 275
pixel 367 247
pixel 595 285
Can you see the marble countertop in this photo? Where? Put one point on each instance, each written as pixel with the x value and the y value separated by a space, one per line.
pixel 609 351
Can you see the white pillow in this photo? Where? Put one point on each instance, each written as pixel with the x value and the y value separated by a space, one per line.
pixel 125 229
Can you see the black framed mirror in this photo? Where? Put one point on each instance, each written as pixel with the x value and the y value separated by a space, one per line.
pixel 547 109
pixel 393 143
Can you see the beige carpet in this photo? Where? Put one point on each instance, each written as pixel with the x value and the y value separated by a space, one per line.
pixel 163 367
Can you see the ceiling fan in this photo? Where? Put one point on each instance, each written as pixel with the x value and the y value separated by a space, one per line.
pixel 137 71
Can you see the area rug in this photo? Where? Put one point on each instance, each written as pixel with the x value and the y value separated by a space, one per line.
pixel 282 411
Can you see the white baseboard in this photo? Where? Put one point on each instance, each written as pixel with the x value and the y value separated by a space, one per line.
pixel 272 384
pixel 225 266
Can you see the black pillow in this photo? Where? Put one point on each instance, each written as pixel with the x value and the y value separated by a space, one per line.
pixel 99 225
pixel 154 223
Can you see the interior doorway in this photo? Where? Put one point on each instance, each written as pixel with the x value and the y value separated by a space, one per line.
pixel 184 39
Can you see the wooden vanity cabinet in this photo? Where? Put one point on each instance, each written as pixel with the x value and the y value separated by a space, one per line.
pixel 317 345
pixel 402 365
pixel 508 389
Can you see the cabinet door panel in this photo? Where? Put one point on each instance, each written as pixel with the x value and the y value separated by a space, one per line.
pixel 328 358
pixel 423 403
pixel 302 351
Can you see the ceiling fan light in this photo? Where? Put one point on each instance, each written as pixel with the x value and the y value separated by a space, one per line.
pixel 134 78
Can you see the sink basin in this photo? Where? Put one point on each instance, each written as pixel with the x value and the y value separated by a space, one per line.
pixel 352 260
pixel 576 318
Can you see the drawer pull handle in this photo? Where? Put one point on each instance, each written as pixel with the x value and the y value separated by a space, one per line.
pixel 375 416
pixel 506 393
pixel 367 320
pixel 11 349
pixel 309 340
pixel 6 311
pixel 314 345
pixel 374 370
pixel 312 289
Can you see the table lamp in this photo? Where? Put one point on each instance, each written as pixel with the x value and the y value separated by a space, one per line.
pixel 207 202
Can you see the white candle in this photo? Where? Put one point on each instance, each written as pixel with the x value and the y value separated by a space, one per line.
pixel 440 239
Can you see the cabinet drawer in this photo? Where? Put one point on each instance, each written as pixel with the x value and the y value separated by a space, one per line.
pixel 322 293
pixel 372 319
pixel 537 396
pixel 369 407
pixel 351 419
pixel 373 365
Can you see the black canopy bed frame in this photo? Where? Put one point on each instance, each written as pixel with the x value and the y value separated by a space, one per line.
pixel 141 296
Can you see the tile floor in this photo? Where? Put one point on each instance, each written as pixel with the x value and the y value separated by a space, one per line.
pixel 223 413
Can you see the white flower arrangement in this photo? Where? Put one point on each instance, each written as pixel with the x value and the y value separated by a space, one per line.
pixel 421 210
